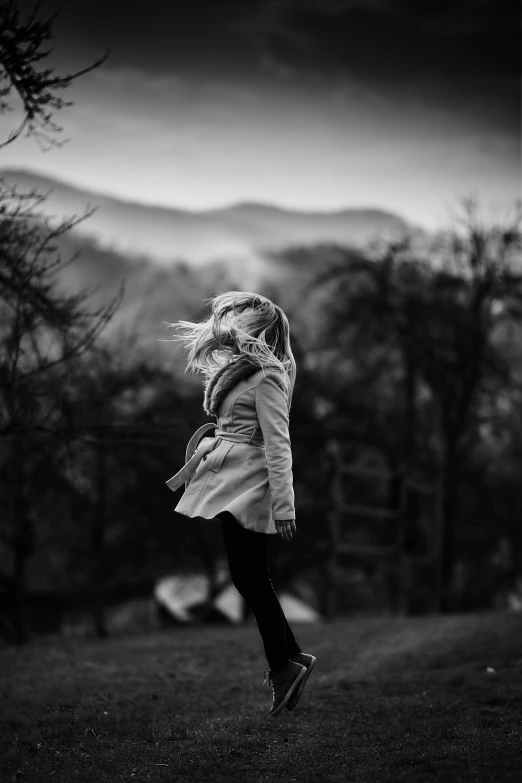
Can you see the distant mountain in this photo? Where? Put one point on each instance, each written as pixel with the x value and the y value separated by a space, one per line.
pixel 172 260
pixel 235 235
pixel 153 294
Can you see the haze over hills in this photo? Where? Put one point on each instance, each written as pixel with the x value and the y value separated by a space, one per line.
pixel 236 235
pixel 209 252
pixel 173 259
pixel 154 295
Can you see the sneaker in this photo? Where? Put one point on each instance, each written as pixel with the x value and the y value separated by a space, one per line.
pixel 307 660
pixel 284 682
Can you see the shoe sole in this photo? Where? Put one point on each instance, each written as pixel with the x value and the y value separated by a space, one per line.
pixel 302 684
pixel 289 692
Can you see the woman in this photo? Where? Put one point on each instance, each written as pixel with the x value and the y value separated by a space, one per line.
pixel 243 475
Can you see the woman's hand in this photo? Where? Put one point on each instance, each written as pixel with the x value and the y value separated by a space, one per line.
pixel 285 528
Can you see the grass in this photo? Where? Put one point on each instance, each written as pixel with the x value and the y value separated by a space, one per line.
pixel 391 699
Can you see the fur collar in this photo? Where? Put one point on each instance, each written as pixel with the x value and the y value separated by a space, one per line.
pixel 218 385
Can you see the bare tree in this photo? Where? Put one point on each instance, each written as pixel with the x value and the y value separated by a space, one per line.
pixel 478 286
pixel 429 322
pixel 23 77
pixel 41 326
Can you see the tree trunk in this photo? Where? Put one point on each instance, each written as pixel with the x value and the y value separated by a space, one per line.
pixel 327 593
pixel 448 522
pixel 328 569
pixel 409 519
pixel 98 543
pixel 20 616
pixel 23 542
pixel 398 599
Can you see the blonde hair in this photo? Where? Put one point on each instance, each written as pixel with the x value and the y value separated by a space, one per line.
pixel 241 324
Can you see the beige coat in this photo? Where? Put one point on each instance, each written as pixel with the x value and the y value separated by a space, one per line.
pixel 253 482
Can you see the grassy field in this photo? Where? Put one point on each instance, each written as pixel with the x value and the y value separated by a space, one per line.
pixel 417 699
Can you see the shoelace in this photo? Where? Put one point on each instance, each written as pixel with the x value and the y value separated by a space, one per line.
pixel 269 680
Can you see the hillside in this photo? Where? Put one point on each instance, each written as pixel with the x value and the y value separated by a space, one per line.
pixel 420 700
pixel 153 294
pixel 236 235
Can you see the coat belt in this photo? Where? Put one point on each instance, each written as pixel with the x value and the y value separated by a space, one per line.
pixel 194 455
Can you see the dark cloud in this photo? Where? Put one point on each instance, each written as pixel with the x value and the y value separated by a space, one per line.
pixel 381 35
pixel 460 53
pixel 391 39
pixel 463 55
pixel 316 103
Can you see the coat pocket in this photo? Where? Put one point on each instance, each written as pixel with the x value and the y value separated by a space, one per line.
pixel 221 454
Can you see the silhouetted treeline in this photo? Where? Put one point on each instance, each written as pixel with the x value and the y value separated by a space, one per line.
pixel 414 368
pixel 406 430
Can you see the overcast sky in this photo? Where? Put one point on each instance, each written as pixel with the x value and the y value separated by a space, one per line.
pixel 406 105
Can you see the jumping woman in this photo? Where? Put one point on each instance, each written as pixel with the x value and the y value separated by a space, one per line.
pixel 242 477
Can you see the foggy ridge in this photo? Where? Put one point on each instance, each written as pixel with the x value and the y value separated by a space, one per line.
pixel 239 232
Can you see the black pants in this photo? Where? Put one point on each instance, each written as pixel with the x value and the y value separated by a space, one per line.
pixel 248 559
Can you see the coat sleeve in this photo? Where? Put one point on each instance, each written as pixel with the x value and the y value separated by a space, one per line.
pixel 272 413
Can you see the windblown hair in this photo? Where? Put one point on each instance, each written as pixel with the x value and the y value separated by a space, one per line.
pixel 241 324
